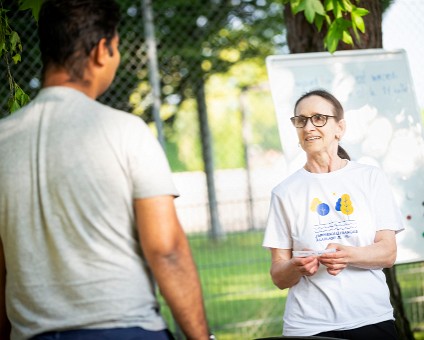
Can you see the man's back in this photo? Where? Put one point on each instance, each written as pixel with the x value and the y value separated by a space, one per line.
pixel 70 171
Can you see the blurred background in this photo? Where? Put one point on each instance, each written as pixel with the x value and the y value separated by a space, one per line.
pixel 195 71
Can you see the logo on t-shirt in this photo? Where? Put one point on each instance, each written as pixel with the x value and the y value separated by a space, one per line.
pixel 334 224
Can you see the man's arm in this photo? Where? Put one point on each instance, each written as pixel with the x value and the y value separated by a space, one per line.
pixel 168 253
pixel 4 321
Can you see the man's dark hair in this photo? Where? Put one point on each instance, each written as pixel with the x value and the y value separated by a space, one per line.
pixel 70 29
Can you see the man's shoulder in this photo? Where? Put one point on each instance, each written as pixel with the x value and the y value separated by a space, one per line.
pixel 74 107
pixel 85 106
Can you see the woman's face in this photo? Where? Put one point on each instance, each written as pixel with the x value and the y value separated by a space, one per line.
pixel 314 139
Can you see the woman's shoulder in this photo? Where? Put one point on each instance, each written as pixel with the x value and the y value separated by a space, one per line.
pixel 290 182
pixel 364 167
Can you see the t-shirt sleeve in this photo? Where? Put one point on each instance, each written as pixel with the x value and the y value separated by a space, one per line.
pixel 149 168
pixel 277 232
pixel 386 211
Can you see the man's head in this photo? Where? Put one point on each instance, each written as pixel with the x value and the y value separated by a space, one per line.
pixel 69 30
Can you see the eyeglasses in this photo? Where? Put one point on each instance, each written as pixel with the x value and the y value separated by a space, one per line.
pixel 317 120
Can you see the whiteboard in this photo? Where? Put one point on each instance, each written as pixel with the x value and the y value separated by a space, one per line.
pixel 383 121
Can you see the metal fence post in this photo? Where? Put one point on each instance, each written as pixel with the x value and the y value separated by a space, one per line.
pixel 154 77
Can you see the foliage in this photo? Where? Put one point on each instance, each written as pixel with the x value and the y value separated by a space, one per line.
pixel 197 39
pixel 223 92
pixel 10 50
pixel 209 41
pixel 33 5
pixel 338 16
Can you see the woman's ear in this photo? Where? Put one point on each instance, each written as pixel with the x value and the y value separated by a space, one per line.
pixel 341 128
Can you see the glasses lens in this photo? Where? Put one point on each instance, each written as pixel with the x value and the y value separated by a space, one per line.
pixel 319 120
pixel 299 121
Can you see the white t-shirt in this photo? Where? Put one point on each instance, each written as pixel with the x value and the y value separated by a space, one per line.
pixel 347 206
pixel 70 170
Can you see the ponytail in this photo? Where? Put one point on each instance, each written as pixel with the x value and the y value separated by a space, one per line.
pixel 342 153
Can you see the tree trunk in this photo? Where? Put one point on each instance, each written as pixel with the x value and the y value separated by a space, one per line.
pixel 154 77
pixel 216 231
pixel 303 37
pixel 402 323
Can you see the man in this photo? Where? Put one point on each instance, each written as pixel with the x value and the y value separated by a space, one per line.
pixel 82 186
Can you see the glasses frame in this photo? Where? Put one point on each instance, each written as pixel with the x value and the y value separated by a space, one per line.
pixel 312 121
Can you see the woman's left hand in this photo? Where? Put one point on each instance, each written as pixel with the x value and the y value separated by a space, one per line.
pixel 380 254
pixel 335 262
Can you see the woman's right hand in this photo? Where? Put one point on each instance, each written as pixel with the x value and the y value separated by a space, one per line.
pixel 286 271
pixel 307 266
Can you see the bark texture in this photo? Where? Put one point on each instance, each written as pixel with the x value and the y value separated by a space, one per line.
pixel 302 37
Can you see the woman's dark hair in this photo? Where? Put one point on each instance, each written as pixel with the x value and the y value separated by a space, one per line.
pixel 69 29
pixel 337 111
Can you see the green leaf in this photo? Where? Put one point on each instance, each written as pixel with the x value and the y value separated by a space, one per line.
pixel 297 6
pixel 12 105
pixel 357 20
pixel 313 7
pixel 33 5
pixel 20 97
pixel 335 33
pixel 16 58
pixel 331 43
pixel 341 25
pixel 347 38
pixel 2 47
pixel 328 5
pixel 332 38
pixel 361 11
pixel 337 10
pixel 317 6
pixel 319 20
pixel 15 42
pixel 355 31
pixel 347 5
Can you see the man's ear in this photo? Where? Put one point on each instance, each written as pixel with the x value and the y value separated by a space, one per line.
pixel 101 52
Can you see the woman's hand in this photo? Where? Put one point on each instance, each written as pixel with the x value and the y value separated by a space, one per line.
pixel 336 262
pixel 306 266
pixel 286 271
pixel 380 254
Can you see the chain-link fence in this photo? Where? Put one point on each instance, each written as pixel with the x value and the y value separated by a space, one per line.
pixel 210 58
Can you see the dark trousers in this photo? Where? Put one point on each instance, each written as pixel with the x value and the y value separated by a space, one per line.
pixel 133 333
pixel 385 330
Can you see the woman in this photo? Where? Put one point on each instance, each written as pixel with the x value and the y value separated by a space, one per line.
pixel 344 208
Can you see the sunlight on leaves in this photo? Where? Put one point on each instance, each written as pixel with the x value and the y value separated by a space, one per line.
pixel 33 5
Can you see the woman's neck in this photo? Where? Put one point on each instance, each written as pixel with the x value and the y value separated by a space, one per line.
pixel 324 164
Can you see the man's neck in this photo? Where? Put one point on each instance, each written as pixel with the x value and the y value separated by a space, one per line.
pixel 62 78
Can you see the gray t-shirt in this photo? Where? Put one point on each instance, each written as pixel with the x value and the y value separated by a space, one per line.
pixel 69 172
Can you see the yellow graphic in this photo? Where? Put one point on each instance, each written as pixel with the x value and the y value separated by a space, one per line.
pixel 346 206
pixel 314 204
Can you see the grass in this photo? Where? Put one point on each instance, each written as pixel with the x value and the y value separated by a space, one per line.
pixel 241 301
